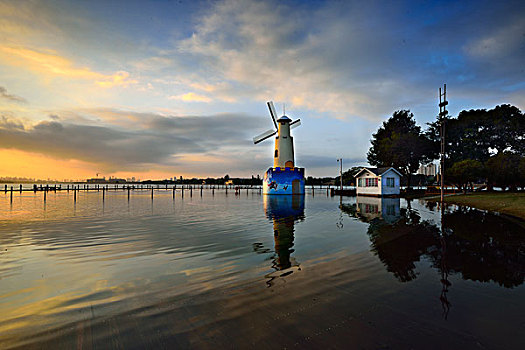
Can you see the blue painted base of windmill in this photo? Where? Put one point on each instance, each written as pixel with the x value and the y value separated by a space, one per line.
pixel 284 181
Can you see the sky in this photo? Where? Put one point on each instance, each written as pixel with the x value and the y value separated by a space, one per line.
pixel 161 89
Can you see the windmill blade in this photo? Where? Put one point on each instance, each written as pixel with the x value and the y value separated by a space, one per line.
pixel 264 136
pixel 295 123
pixel 272 113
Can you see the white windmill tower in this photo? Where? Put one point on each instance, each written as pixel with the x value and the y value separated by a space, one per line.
pixel 284 177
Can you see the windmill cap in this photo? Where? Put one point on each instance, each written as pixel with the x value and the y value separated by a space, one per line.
pixel 284 119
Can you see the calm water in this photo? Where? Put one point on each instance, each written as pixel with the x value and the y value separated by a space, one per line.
pixel 256 271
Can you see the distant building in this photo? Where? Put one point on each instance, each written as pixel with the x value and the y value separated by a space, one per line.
pixel 96 180
pixel 103 180
pixel 428 170
pixel 378 182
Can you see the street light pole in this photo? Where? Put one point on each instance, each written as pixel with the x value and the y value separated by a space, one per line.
pixel 340 160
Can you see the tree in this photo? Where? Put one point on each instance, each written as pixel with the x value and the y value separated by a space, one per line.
pixel 465 137
pixel 348 176
pixel 506 128
pixel 399 143
pixel 521 172
pixel 503 170
pixel 464 172
pixel 477 134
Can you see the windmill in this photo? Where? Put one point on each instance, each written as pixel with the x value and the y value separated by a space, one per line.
pixel 278 179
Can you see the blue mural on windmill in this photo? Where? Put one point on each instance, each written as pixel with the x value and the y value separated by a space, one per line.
pixel 284 181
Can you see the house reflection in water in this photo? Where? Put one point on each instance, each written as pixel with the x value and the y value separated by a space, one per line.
pixel 369 208
pixel 481 246
pixel 284 211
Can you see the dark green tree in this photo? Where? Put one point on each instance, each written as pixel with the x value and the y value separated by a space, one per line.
pixel 521 172
pixel 399 143
pixel 505 128
pixel 477 134
pixel 466 137
pixel 503 170
pixel 464 172
pixel 348 176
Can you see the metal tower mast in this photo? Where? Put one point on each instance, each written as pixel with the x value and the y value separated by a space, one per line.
pixel 442 118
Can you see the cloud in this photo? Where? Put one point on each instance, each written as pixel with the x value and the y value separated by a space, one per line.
pixel 268 51
pixel 120 78
pixel 349 59
pixel 10 124
pixel 126 141
pixel 191 97
pixel 503 41
pixel 51 64
pixel 13 98
pixel 161 141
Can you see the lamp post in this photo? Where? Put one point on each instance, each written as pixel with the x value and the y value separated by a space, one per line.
pixel 340 160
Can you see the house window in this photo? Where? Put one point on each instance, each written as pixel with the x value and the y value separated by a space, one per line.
pixel 369 208
pixel 276 153
pixel 390 182
pixel 370 182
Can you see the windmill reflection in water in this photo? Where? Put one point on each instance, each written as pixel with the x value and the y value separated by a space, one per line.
pixel 284 211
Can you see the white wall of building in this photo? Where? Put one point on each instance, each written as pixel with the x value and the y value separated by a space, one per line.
pixel 368 190
pixel 283 147
pixel 382 189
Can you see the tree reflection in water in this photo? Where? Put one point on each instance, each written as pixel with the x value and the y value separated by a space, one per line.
pixel 481 246
pixel 284 211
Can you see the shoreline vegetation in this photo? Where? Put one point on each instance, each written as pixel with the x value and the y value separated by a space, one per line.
pixel 508 203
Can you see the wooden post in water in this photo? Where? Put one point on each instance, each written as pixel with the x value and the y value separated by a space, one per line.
pixel 45 196
pixel 20 188
pixel 128 193
pixel 103 194
pixel 75 193
pixel 5 188
pixel 11 194
pixel 151 192
pixel 174 191
pixel 213 191
pixel 201 190
pixel 191 191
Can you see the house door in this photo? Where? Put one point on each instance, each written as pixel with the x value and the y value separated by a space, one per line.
pixel 296 187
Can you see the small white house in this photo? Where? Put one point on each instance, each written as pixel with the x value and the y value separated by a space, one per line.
pixel 378 182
